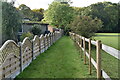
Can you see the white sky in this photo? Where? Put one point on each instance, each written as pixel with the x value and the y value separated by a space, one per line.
pixel 36 4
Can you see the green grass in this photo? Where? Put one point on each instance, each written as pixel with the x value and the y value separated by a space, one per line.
pixel 62 60
pixel 112 41
pixel 109 63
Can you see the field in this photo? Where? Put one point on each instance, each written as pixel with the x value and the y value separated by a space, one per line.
pixel 62 60
pixel 109 63
pixel 110 39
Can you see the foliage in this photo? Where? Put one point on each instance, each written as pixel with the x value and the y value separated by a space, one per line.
pixel 27 34
pixel 34 15
pixel 106 11
pixel 11 21
pixel 36 30
pixel 38 14
pixel 58 14
pixel 85 25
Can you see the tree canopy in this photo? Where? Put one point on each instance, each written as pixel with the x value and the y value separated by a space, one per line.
pixel 106 11
pixel 85 25
pixel 33 15
pixel 58 14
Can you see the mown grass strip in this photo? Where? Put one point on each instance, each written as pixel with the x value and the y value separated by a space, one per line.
pixel 62 60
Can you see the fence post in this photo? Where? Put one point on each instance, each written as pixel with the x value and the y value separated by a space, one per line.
pixel 81 45
pixel 84 50
pixel 51 38
pixel 74 37
pixel 20 44
pixel 32 50
pixel 98 54
pixel 44 43
pixel 90 56
pixel 40 45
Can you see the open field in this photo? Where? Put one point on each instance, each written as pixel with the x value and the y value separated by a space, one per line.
pixel 112 41
pixel 109 63
pixel 62 60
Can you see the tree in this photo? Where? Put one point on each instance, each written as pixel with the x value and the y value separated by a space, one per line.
pixel 25 11
pixel 107 12
pixel 33 15
pixel 58 14
pixel 85 25
pixel 11 21
pixel 38 14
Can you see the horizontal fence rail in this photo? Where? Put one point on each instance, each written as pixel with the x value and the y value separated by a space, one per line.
pixel 80 41
pixel 14 58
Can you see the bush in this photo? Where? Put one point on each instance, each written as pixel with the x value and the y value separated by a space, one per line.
pixel 85 25
pixel 24 35
pixel 36 30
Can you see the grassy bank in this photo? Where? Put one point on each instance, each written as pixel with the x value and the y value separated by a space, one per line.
pixel 62 60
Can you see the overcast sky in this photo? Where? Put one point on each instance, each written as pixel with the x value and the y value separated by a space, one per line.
pixel 36 4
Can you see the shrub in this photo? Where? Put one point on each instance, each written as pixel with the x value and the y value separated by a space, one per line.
pixel 36 30
pixel 85 25
pixel 24 35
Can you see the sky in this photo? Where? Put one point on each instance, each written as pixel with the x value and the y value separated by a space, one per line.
pixel 36 4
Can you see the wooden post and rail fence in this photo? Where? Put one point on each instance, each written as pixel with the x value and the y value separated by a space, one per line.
pixel 81 42
pixel 14 58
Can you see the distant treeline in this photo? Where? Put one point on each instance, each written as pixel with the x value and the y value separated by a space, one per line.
pixel 33 15
pixel 106 11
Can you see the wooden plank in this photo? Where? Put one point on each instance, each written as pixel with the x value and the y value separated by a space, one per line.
pixel 92 60
pixel 98 58
pixel 104 74
pixel 87 40
pixel 90 69
pixel 84 50
pixel 93 42
pixel 112 51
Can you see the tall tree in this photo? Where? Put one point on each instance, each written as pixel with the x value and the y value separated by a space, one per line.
pixel 58 14
pixel 25 11
pixel 33 15
pixel 11 21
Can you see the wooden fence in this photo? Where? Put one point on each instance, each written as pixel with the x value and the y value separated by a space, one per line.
pixel 14 58
pixel 81 42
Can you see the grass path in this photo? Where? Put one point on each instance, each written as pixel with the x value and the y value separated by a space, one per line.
pixel 62 60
